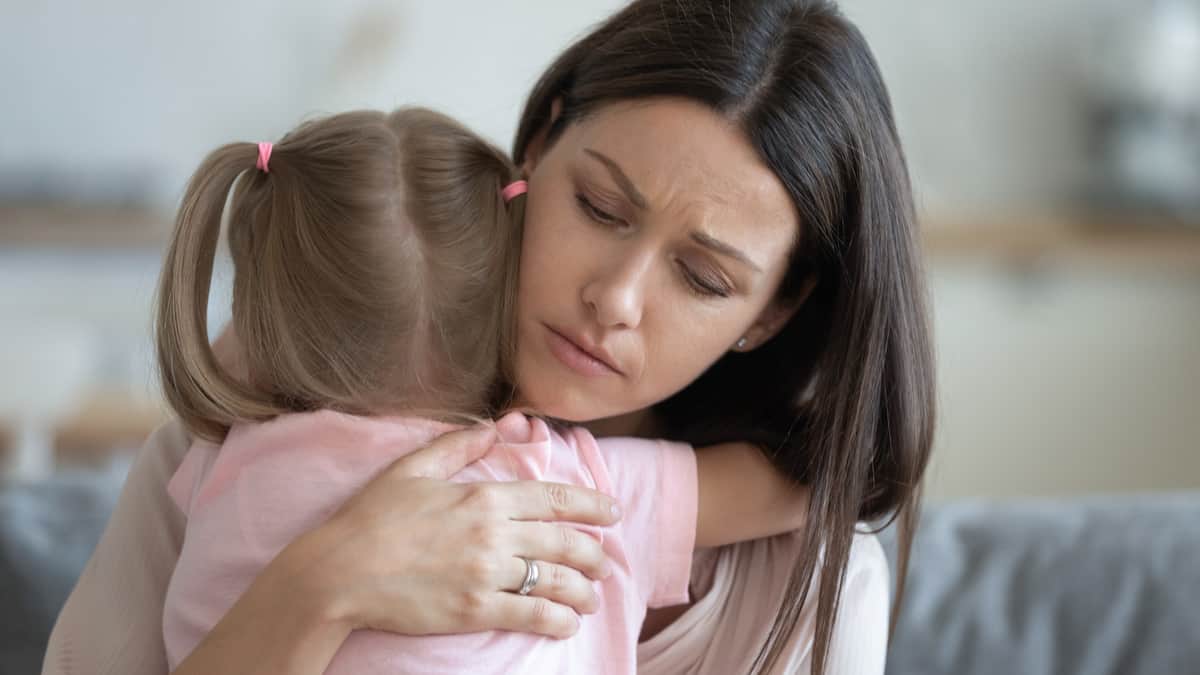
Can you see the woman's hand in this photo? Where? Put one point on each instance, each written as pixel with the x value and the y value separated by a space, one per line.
pixel 415 554
pixel 412 553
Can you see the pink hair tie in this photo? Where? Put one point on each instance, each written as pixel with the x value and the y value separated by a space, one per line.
pixel 264 156
pixel 513 189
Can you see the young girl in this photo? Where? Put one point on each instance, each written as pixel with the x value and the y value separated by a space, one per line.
pixel 375 260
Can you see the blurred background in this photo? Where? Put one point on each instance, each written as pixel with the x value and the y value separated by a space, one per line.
pixel 1054 146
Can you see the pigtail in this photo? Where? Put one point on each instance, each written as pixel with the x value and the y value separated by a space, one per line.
pixel 205 395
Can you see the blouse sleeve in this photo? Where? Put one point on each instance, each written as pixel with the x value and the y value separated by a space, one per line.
pixel 112 621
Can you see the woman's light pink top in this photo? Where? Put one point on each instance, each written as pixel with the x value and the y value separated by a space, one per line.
pixel 246 499
pixel 112 621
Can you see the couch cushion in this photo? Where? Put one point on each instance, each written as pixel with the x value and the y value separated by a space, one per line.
pixel 1053 587
pixel 48 530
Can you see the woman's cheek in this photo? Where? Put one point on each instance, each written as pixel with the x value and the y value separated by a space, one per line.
pixel 699 334
pixel 553 230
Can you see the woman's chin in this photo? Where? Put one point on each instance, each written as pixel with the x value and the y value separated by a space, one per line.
pixel 546 388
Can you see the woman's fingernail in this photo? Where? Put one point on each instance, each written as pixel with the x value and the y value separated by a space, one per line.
pixel 616 511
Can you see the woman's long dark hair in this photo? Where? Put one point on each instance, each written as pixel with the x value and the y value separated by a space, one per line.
pixel 843 398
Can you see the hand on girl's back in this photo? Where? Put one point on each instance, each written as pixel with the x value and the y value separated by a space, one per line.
pixel 415 554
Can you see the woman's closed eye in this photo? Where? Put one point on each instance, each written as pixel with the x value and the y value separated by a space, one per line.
pixel 597 214
pixel 703 284
pixel 707 285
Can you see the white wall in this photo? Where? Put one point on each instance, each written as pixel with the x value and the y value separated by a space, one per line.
pixel 990 96
pixel 1066 381
pixel 987 93
pixel 153 86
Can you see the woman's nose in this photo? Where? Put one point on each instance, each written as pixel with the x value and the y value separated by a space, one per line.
pixel 616 296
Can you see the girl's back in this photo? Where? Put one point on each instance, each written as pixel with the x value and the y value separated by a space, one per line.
pixel 268 483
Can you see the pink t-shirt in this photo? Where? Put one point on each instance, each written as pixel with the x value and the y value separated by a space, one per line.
pixel 268 483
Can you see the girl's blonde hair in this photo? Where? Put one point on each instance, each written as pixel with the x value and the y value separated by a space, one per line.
pixel 375 271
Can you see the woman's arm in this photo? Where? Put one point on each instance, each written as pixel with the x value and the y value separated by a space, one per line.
pixel 743 496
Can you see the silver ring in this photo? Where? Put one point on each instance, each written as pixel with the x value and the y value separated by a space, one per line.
pixel 532 573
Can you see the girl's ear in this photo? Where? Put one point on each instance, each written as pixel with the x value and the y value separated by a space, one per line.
pixel 533 151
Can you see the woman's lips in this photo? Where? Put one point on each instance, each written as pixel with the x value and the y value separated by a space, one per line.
pixel 575 357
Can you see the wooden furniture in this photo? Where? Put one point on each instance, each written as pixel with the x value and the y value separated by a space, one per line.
pixel 82 227
pixel 105 423
pixel 1050 241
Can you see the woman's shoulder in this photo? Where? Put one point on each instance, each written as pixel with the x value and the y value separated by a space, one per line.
pixel 159 457
pixel 866 554
pixel 860 632
pixel 867 581
pixel 868 575
pixel 168 443
pixel 866 567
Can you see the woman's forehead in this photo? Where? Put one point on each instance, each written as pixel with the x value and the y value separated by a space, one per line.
pixel 688 162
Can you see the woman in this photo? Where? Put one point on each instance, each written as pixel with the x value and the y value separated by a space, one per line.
pixel 719 214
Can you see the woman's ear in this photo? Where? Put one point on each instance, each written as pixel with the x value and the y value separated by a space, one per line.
pixel 774 318
pixel 537 144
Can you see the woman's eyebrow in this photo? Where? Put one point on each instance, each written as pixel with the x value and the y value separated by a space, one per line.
pixel 619 176
pixel 725 249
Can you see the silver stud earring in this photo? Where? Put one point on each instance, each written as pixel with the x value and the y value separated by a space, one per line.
pixel 741 343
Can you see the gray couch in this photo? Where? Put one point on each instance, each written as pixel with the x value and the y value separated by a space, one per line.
pixel 1070 587
pixel 47 533
pixel 1092 586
